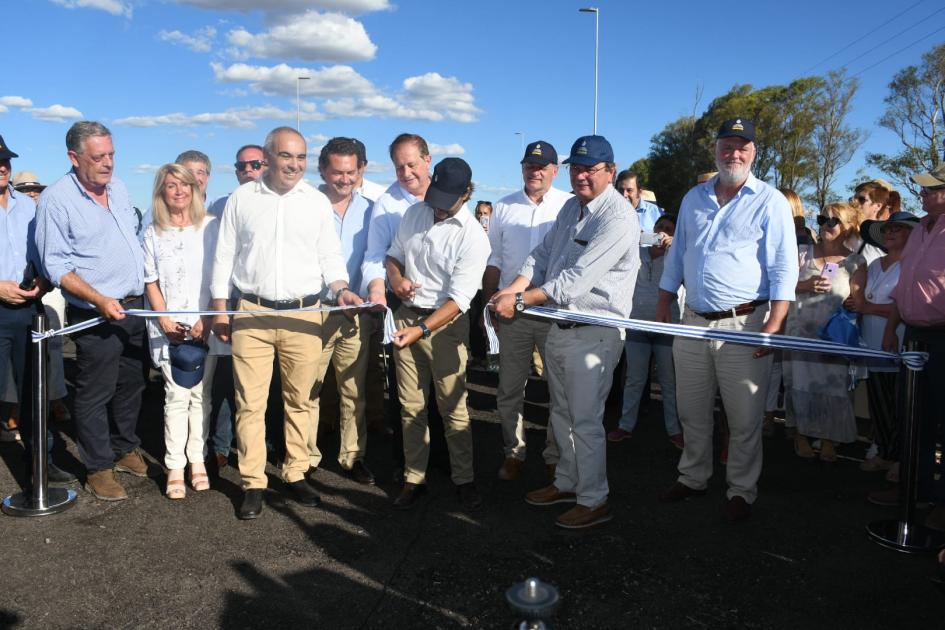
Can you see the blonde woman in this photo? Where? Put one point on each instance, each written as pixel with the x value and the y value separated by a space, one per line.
pixel 179 247
pixel 816 386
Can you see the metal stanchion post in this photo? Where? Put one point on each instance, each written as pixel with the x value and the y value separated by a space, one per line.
pixel 905 534
pixel 41 500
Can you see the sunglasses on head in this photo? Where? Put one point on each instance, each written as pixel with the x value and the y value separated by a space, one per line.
pixel 253 164
pixel 828 221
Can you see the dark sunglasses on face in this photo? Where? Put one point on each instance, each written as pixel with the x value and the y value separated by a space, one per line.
pixel 828 221
pixel 253 164
pixel 862 200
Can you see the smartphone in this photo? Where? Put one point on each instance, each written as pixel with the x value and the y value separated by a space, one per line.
pixel 648 239
pixel 830 270
pixel 484 221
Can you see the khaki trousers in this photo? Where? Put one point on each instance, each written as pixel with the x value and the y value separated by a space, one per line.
pixel 345 346
pixel 518 339
pixel 297 339
pixel 441 358
pixel 701 366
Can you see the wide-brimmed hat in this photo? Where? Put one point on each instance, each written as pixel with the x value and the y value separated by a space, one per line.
pixel 932 179
pixel 25 179
pixel 871 231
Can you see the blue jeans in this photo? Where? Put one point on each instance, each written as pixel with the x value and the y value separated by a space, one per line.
pixel 637 349
pixel 223 406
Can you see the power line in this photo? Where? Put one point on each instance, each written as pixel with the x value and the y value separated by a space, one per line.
pixel 893 37
pixel 899 51
pixel 860 38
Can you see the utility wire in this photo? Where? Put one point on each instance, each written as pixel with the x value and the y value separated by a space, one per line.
pixel 893 37
pixel 860 38
pixel 899 51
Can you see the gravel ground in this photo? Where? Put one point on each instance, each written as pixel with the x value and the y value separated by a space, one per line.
pixel 803 560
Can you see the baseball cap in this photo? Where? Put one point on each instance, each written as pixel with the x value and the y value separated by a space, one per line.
pixel 5 152
pixel 935 177
pixel 187 361
pixel 451 179
pixel 590 150
pixel 540 152
pixel 737 128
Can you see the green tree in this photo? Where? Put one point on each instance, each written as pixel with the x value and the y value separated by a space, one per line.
pixel 676 157
pixel 914 110
pixel 834 141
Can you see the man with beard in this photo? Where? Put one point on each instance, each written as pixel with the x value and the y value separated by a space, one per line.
pixel 736 253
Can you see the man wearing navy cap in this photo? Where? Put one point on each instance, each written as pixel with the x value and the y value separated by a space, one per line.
pixel 435 266
pixel 519 223
pixel 587 262
pixel 736 252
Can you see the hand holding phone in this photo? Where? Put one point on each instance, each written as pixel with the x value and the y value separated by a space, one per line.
pixel 830 270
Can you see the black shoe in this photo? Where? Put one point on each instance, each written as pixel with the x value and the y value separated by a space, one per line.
pixel 252 504
pixel 55 474
pixel 304 494
pixel 409 496
pixel 469 496
pixel 360 473
pixel 311 472
pixel 737 509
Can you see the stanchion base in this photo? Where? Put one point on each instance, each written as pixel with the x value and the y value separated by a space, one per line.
pixel 906 537
pixel 22 504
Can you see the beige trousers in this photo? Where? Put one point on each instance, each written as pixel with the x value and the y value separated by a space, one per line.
pixel 297 339
pixel 441 358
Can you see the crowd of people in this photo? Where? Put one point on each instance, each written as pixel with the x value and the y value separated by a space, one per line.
pixel 736 256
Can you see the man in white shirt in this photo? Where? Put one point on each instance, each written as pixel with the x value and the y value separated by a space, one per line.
pixel 278 248
pixel 435 267
pixel 519 223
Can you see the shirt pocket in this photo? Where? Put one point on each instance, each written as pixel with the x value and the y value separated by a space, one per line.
pixel 737 235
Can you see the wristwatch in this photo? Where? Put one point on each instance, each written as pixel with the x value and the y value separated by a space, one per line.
pixel 340 291
pixel 519 302
pixel 424 330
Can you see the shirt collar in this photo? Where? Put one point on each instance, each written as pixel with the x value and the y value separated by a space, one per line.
pixel 263 188
pixel 406 194
pixel 600 200
pixel 81 188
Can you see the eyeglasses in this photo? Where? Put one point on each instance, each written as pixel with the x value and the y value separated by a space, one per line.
pixel 862 200
pixel 579 169
pixel 931 189
pixel 828 221
pixel 253 164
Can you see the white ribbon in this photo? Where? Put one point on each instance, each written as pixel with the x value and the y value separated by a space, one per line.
pixel 389 327
pixel 912 360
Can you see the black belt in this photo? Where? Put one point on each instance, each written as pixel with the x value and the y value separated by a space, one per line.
pixel 420 311
pixel 570 325
pixel 741 309
pixel 281 305
pixel 78 314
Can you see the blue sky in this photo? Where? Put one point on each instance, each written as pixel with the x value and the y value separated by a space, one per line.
pixel 170 75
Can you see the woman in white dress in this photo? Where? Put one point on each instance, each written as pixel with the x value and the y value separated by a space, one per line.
pixel 179 247
pixel 816 386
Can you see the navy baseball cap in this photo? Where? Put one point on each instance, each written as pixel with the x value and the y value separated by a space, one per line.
pixel 540 152
pixel 450 181
pixel 590 150
pixel 737 128
pixel 5 152
pixel 187 361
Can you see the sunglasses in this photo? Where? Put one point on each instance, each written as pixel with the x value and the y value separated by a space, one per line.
pixel 862 200
pixel 828 221
pixel 253 164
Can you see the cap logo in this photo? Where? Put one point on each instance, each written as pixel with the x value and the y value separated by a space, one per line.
pixel 738 126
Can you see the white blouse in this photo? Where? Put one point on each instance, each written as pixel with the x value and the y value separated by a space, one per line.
pixel 879 284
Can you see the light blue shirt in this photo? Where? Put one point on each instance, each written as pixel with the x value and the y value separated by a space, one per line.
pixel 389 209
pixel 215 209
pixel 74 233
pixel 731 255
pixel 17 247
pixel 648 213
pixel 352 231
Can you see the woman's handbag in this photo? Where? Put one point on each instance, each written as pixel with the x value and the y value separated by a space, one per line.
pixel 841 327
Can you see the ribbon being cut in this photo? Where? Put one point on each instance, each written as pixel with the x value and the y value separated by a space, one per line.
pixel 912 360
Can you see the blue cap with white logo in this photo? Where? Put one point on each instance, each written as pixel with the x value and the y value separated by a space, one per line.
pixel 590 150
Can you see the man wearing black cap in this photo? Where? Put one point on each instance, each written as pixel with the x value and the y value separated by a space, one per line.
pixel 587 262
pixel 736 252
pixel 435 266
pixel 519 223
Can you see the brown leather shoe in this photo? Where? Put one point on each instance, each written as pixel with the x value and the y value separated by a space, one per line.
pixel 103 485
pixel 132 463
pixel 581 516
pixel 679 492
pixel 737 509
pixel 511 468
pixel 549 495
pixel 222 460
pixel 409 495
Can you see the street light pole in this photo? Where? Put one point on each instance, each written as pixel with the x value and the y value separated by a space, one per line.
pixel 521 140
pixel 596 12
pixel 298 103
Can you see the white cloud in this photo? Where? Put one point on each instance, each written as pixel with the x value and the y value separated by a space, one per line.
pixel 54 113
pixel 115 7
pixel 446 149
pixel 143 169
pixel 281 79
pixel 378 167
pixel 317 138
pixel 200 41
pixel 241 118
pixel 445 94
pixel 351 7
pixel 496 190
pixel 15 101
pixel 311 36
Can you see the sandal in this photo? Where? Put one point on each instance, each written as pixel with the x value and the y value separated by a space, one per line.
pixel 176 489
pixel 827 452
pixel 802 447
pixel 199 480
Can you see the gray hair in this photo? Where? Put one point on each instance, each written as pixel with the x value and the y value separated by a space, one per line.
pixel 269 146
pixel 193 155
pixel 82 130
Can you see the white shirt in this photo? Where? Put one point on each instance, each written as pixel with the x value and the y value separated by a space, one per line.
pixel 446 258
pixel 879 284
pixel 279 247
pixel 371 191
pixel 180 260
pixel 518 225
pixel 388 210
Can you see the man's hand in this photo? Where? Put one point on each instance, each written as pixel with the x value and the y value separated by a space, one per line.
pixel 109 308
pixel 11 293
pixel 503 304
pixel 406 289
pixel 199 331
pixel 407 336
pixel 379 299
pixel 349 298
pixel 221 327
pixel 771 330
pixel 174 331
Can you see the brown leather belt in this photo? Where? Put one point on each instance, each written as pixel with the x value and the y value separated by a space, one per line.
pixel 735 311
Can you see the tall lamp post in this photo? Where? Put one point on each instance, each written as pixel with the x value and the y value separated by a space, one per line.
pixel 596 12
pixel 521 140
pixel 298 103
